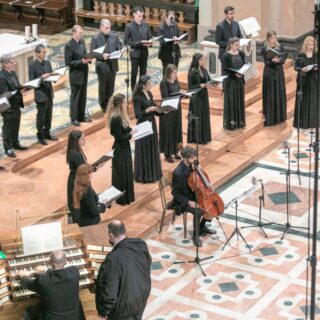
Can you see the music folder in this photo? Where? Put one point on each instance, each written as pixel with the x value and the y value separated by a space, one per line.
pixel 242 70
pixel 186 94
pixel 110 195
pixel 178 38
pixel 312 67
pixel 106 157
pixel 272 53
pixel 217 80
pixel 117 54
pixel 170 104
pixel 4 104
pixel 56 74
pixel 151 40
pixel 142 130
pixel 33 84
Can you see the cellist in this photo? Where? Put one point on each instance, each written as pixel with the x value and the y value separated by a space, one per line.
pixel 184 198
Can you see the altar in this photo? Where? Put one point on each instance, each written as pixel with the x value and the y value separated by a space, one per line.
pixel 22 52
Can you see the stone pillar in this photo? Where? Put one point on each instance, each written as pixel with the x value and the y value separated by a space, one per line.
pixel 290 18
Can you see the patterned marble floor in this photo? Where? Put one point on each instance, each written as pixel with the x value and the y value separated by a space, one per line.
pixel 267 283
pixel 61 101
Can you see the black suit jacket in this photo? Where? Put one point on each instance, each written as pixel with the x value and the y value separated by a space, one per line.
pixel 10 82
pixel 225 31
pixel 166 48
pixel 73 55
pixel 36 70
pixel 133 34
pixel 181 191
pixel 103 66
pixel 59 293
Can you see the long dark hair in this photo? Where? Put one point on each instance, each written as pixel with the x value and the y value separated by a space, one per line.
pixel 142 82
pixel 195 61
pixel 73 143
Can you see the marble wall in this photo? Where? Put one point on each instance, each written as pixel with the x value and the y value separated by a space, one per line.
pixel 290 18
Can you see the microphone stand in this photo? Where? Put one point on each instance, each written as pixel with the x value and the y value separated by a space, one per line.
pixel 260 224
pixel 288 225
pixel 174 54
pixel 196 260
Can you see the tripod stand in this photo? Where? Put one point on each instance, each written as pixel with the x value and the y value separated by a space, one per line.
pixel 260 224
pixel 288 225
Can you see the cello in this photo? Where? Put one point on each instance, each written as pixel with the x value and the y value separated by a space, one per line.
pixel 208 200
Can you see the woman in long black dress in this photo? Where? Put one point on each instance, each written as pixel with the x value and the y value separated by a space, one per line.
pixel 75 157
pixel 170 123
pixel 233 105
pixel 198 77
pixel 273 85
pixel 85 198
pixel 122 170
pixel 307 83
pixel 147 166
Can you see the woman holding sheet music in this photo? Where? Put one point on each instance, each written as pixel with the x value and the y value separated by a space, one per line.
pixel 170 123
pixel 199 108
pixel 273 86
pixel 122 170
pixel 85 198
pixel 147 166
pixel 306 64
pixel 234 106
pixel 75 157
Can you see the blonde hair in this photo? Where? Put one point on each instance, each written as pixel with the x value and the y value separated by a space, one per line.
pixel 115 109
pixel 305 44
pixel 81 183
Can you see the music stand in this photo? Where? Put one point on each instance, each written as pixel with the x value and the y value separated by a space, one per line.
pixel 236 230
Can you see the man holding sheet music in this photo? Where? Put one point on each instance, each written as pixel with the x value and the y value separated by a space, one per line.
pixel 136 35
pixel 43 96
pixel 9 82
pixel 106 68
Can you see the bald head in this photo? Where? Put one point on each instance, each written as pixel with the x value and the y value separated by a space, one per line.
pixel 58 259
pixel 116 231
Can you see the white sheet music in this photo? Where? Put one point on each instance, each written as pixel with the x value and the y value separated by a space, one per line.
pixel 142 130
pixel 151 40
pixel 117 54
pixel 172 103
pixel 179 38
pixel 99 50
pixel 4 101
pixel 110 153
pixel 244 42
pixel 42 238
pixel 33 83
pixel 311 66
pixel 109 194
pixel 54 78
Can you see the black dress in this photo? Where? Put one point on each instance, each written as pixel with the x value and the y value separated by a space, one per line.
pixel 122 170
pixel 90 208
pixel 147 166
pixel 273 91
pixel 307 117
pixel 170 123
pixel 199 107
pixel 75 160
pixel 233 105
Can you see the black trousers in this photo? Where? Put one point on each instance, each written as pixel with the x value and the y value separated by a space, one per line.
pixel 138 64
pixel 197 213
pixel 44 118
pixel 10 129
pixel 78 101
pixel 106 88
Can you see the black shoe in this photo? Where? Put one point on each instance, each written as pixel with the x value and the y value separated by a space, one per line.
pixel 51 137
pixel 197 242
pixel 205 230
pixel 75 123
pixel 177 157
pixel 85 120
pixel 10 153
pixel 169 159
pixel 18 146
pixel 42 141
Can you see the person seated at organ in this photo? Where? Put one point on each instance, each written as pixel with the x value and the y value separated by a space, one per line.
pixel 58 289
pixel 184 198
pixel 85 197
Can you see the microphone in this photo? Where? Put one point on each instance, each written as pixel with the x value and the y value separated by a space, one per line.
pixel 122 44
pixel 285 144
pixel 254 181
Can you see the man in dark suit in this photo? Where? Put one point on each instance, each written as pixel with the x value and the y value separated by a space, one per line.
pixel 43 96
pixel 227 29
pixel 184 198
pixel 106 69
pixel 169 52
pixel 74 57
pixel 124 281
pixel 9 82
pixel 134 32
pixel 58 289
